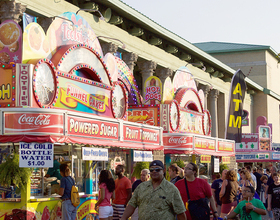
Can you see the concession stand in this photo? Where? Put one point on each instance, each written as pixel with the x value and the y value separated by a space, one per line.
pixel 62 99
pixel 177 106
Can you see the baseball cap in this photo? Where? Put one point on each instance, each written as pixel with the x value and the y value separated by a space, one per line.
pixel 157 163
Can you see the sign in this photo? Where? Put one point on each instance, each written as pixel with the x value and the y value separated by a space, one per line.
pixel 74 95
pixel 24 82
pixel 252 156
pixel 140 134
pixel 206 144
pixel 141 156
pixel 95 154
pixel 164 120
pixel 249 142
pixel 152 90
pixel 225 146
pixel 177 143
pixel 275 156
pixel 226 160
pixel 92 128
pixel 276 147
pixel 191 122
pixel 235 109
pixel 216 165
pixel 264 138
pixel 7 96
pixel 36 154
pixel 33 123
pixel 144 115
pixel 11 42
pixel 205 158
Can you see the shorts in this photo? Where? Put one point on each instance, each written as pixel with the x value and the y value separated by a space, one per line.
pixel 226 208
pixel 118 211
pixel 105 211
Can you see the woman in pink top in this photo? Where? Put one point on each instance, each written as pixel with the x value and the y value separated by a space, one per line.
pixel 106 193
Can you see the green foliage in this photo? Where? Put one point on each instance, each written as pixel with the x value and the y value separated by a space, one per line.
pixel 138 167
pixel 12 174
pixel 223 167
pixel 179 162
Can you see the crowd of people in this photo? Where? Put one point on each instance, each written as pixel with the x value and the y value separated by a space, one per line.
pixel 246 194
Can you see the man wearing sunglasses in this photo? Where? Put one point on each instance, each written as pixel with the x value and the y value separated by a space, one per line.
pixel 156 198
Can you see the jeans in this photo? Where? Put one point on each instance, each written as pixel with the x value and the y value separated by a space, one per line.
pixel 68 210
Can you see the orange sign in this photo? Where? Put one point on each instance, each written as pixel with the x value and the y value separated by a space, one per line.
pixel 144 115
pixel 226 160
pixel 225 146
pixel 205 158
pixel 7 88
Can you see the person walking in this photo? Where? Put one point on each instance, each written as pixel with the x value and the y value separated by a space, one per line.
pixel 173 171
pixel 258 178
pixel 68 210
pixel 228 193
pixel 106 192
pixel 216 188
pixel 145 176
pixel 157 199
pixel 269 182
pixel 274 196
pixel 198 189
pixel 248 168
pixel 123 192
pixel 249 208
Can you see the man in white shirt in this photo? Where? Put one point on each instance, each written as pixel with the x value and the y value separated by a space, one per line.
pixel 252 175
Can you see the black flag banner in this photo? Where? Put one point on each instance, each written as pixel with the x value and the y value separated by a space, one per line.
pixel 235 108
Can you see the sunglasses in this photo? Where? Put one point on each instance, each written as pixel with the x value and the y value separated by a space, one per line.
pixel 155 169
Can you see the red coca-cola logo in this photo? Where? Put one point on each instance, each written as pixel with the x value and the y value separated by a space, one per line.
pixel 34 120
pixel 177 140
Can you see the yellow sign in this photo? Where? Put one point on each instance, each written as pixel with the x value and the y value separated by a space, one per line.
pixel 205 158
pixel 226 160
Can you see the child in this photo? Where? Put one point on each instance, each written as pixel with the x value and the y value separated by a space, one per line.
pixel 248 208
pixel 263 189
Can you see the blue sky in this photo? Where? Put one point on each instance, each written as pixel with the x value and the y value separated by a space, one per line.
pixel 238 21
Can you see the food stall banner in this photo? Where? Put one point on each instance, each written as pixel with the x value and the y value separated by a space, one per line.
pixel 235 109
pixel 249 142
pixel 33 123
pixel 140 134
pixel 36 154
pixel 177 144
pixel 141 156
pixel 205 158
pixel 261 156
pixel 92 128
pixel 275 156
pixel 95 154
pixel 205 144
pixel 152 91
pixel 216 165
pixel 144 115
pixel 226 160
pixel 224 146
pixel 264 138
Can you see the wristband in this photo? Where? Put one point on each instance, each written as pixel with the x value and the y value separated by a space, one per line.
pixel 254 208
pixel 225 217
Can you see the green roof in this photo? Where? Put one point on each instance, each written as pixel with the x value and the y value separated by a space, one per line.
pixel 223 47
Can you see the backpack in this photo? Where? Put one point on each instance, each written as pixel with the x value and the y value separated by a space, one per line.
pixel 75 198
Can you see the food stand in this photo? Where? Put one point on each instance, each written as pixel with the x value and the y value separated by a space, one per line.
pixel 62 99
pixel 178 107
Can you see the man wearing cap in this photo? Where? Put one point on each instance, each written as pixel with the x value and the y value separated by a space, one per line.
pixel 156 198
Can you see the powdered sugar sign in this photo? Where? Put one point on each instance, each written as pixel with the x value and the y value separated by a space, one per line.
pixel 249 142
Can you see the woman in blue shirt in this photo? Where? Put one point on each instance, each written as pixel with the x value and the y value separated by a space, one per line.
pixel 68 210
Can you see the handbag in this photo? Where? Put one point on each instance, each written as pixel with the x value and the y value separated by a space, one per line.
pixel 199 209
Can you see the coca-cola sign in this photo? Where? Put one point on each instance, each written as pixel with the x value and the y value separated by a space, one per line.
pixel 27 123
pixel 178 142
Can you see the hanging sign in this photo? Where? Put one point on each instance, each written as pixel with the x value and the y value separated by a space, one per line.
pixel 36 154
pixel 249 142
pixel 234 118
pixel 153 91
pixel 226 160
pixel 275 156
pixel 141 156
pixel 95 154
pixel 264 138
pixel 205 158
pixel 216 165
